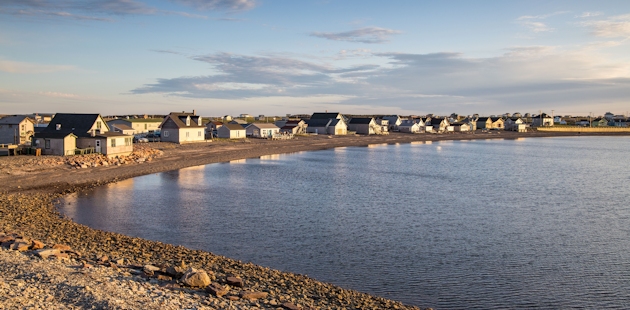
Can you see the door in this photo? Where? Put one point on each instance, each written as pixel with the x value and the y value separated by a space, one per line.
pixel 97 146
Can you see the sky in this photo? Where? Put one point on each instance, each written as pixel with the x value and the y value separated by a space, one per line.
pixel 277 57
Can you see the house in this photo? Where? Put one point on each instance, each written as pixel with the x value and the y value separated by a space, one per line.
pixel 384 124
pixel 17 129
pixel 337 126
pixel 394 121
pixel 409 127
pixel 182 128
pixel 127 130
pixel 53 143
pixel 599 122
pixel 484 123
pixel 461 127
pixel 231 131
pixel 318 126
pixel 363 125
pixel 515 124
pixel 497 123
pixel 439 124
pixel 542 120
pixel 261 130
pixel 296 127
pixel 327 123
pixel 621 122
pixel 139 125
pixel 86 131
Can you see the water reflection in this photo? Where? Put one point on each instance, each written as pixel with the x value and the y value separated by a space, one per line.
pixel 430 226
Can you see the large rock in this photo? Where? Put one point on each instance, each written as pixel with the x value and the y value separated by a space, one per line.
pixel 253 295
pixel 217 289
pixel 235 281
pixel 45 253
pixel 196 278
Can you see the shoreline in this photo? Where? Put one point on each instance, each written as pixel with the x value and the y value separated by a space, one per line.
pixel 27 207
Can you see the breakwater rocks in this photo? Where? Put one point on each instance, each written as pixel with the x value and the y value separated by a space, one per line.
pixel 25 164
pixel 47 260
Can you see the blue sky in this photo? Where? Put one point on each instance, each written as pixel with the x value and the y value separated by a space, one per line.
pixel 277 57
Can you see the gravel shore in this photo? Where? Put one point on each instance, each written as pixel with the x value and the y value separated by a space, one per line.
pixel 102 270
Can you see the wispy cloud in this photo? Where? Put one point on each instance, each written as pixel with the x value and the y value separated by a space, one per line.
pixel 229 5
pixel 615 26
pixel 95 9
pixel 589 14
pixel 534 22
pixel 29 68
pixel 368 35
pixel 59 95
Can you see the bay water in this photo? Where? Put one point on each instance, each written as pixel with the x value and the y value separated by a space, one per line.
pixel 524 223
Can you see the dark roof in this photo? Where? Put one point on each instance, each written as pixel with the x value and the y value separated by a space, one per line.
pixel 494 119
pixel 53 135
pixel 79 124
pixel 360 120
pixel 14 120
pixel 483 119
pixel 334 122
pixel 318 122
pixel 180 119
pixel 325 115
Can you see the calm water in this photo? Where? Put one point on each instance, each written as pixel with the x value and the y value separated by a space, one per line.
pixel 539 222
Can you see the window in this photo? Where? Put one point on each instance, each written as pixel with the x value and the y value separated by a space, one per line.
pixel 145 126
pixel 187 134
pixel 98 125
pixel 127 141
pixel 198 133
pixel 165 133
pixel 47 142
pixel 113 142
pixel 187 121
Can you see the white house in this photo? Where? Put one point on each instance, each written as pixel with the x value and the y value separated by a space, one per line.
pixel 363 125
pixel 261 130
pixel 182 128
pixel 231 131
pixel 409 127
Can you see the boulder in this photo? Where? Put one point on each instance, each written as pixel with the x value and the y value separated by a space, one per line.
pixel 195 278
pixel 175 271
pixel 235 281
pixel 217 289
pixel 253 295
pixel 62 247
pixel 36 245
pixel 45 253
pixel 290 306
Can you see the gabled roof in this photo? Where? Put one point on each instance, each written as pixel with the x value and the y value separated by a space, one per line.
pixel 180 120
pixel 319 115
pixel 494 119
pixel 334 122
pixel 483 119
pixel 14 120
pixel 361 120
pixel 293 122
pixel 54 135
pixel 233 126
pixel 319 122
pixel 79 124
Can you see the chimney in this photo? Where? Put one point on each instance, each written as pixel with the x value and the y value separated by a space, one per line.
pixel 194 112
pixel 58 126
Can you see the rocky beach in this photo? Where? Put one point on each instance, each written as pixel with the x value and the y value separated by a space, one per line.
pixel 50 262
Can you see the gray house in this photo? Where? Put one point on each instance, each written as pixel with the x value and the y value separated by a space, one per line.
pixel 363 125
pixel 16 130
pixel 231 131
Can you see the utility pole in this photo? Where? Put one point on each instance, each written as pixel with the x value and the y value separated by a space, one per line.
pixel 590 122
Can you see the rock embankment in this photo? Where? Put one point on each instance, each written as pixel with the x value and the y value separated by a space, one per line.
pixel 49 261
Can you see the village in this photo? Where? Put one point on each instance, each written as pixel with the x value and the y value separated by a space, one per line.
pixel 64 134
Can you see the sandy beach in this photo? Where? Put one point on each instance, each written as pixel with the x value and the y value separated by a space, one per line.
pixel 108 270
